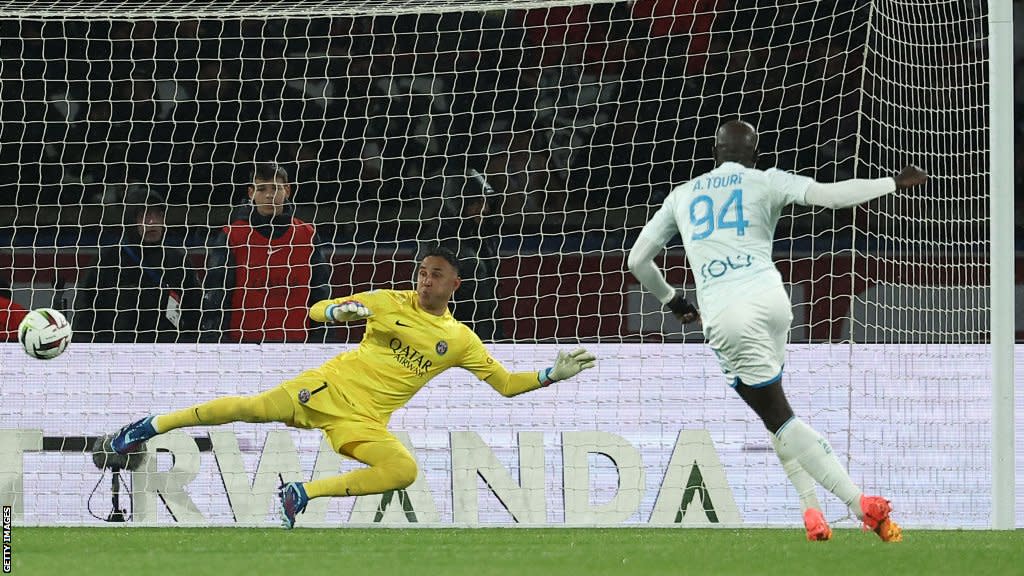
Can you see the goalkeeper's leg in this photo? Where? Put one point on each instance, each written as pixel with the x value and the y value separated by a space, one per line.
pixel 389 467
pixel 274 405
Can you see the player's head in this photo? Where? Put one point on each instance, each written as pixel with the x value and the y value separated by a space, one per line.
pixel 437 279
pixel 736 141
pixel 269 188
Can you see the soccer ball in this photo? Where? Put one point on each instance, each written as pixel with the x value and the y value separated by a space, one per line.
pixel 44 333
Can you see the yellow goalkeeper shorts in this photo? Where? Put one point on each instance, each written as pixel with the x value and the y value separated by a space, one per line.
pixel 324 406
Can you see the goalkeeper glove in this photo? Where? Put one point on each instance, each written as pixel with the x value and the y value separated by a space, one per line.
pixel 347 311
pixel 682 309
pixel 567 365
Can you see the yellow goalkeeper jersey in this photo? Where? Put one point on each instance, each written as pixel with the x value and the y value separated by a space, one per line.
pixel 404 348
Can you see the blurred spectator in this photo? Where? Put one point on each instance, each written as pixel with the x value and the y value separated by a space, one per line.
pixel 523 170
pixel 141 290
pixel 466 227
pixel 11 314
pixel 265 268
pixel 616 97
pixel 680 29
pixel 557 29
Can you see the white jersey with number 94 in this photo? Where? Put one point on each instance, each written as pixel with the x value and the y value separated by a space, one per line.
pixel 727 220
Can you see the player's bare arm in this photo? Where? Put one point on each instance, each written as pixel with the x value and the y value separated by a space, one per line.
pixel 910 176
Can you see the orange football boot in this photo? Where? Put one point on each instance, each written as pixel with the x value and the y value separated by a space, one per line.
pixel 817 527
pixel 876 517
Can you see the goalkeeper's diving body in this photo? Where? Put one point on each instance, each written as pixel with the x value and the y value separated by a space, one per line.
pixel 411 337
pixel 727 220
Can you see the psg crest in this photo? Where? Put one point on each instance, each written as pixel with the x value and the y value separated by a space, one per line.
pixel 441 348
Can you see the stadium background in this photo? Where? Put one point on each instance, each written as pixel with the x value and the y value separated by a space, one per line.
pixel 582 117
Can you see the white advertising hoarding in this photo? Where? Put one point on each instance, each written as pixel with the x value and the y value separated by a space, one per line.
pixel 652 436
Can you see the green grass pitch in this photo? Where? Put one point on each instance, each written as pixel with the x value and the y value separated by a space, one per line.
pixel 523 552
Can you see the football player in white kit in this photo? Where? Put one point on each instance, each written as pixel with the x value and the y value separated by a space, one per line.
pixel 727 220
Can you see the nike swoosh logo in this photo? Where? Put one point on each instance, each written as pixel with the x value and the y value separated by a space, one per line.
pixel 399 322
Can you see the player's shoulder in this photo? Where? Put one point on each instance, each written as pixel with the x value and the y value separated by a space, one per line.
pixel 386 302
pixel 754 179
pixel 681 191
pixel 465 330
pixel 470 340
pixel 775 172
pixel 745 172
pixel 398 296
pixel 458 329
pixel 786 182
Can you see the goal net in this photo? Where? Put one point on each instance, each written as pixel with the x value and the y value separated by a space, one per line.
pixel 146 145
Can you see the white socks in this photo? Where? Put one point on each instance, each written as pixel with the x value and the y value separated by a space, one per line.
pixel 796 441
pixel 801 480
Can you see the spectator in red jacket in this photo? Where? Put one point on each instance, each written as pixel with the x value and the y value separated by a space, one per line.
pixel 264 269
pixel 11 314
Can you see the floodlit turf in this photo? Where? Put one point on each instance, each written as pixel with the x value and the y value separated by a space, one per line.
pixel 523 552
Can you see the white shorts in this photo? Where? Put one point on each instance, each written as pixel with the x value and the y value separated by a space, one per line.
pixel 749 338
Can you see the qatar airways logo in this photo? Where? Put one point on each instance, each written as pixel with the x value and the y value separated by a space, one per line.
pixel 411 358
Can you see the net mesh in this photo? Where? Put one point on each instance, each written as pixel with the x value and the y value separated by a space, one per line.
pixel 541 136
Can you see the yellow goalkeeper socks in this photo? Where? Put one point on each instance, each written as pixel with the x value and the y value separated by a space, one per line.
pixel 271 406
pixel 391 467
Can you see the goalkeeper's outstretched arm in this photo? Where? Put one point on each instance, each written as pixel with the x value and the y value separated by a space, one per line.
pixel 567 365
pixel 339 310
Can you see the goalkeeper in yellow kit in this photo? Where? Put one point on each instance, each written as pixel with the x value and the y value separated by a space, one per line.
pixel 410 338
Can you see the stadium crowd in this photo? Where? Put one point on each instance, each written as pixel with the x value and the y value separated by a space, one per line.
pixel 569 109
pixel 582 118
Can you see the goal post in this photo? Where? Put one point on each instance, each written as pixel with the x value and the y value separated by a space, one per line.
pixel 396 123
pixel 1004 429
